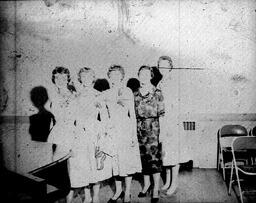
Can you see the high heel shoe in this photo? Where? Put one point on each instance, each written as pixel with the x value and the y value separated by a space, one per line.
pixel 121 196
pixel 142 194
pixel 154 199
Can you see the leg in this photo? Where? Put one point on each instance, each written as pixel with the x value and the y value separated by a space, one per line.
pixel 118 184
pixel 168 179
pixel 69 197
pixel 175 179
pixel 96 189
pixel 156 177
pixel 128 181
pixel 87 194
pixel 146 183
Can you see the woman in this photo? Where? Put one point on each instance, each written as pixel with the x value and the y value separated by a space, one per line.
pixel 90 141
pixel 62 106
pixel 120 103
pixel 170 125
pixel 149 107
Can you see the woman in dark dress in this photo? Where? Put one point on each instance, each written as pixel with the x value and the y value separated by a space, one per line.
pixel 149 108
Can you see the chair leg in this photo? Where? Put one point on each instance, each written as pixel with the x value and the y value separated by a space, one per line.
pixel 231 178
pixel 239 186
pixel 223 166
pixel 218 160
pixel 224 174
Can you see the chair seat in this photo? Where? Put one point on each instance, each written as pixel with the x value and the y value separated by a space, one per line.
pixel 248 168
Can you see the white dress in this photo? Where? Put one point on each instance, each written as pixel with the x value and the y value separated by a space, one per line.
pixel 123 131
pixel 65 133
pixel 90 134
pixel 171 132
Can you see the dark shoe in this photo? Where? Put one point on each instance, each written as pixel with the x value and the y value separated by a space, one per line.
pixel 154 199
pixel 121 196
pixel 147 193
pixel 112 201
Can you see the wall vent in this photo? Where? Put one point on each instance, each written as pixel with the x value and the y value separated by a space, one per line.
pixel 189 125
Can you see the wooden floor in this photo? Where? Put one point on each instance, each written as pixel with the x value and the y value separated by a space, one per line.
pixel 198 185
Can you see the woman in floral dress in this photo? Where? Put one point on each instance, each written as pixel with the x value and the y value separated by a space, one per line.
pixel 149 107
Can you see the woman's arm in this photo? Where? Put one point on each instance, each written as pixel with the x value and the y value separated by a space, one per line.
pixel 131 111
pixel 161 113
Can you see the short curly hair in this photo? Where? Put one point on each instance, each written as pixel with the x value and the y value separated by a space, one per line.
pixel 60 70
pixel 165 58
pixel 146 68
pixel 85 70
pixel 116 68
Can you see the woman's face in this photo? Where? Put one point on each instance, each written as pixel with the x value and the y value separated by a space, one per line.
pixel 87 78
pixel 115 77
pixel 61 80
pixel 164 67
pixel 145 76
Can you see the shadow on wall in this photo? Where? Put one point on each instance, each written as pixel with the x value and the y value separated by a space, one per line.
pixel 101 84
pixel 40 122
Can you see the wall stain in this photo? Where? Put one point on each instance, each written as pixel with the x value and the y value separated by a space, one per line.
pixel 3 99
pixel 239 78
pixel 65 5
pixel 124 21
pixel 206 1
pixel 220 55
pixel 26 29
pixel 148 3
pixel 234 25
pixel 50 3
pixel 4 28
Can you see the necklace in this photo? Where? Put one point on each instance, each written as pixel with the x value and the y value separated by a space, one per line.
pixel 65 97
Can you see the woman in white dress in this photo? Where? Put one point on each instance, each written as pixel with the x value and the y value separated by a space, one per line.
pixel 122 125
pixel 91 141
pixel 62 106
pixel 169 133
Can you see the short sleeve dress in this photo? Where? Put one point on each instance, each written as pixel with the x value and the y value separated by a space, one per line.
pixel 174 147
pixel 122 126
pixel 89 135
pixel 63 131
pixel 148 109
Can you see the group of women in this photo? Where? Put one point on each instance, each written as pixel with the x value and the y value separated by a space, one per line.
pixel 116 133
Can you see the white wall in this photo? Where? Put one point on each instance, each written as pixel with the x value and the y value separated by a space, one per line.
pixel 217 35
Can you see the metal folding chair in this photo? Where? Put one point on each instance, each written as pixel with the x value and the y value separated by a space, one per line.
pixel 253 131
pixel 226 134
pixel 243 147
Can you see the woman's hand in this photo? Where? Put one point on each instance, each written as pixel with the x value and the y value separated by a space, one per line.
pixel 72 154
pixel 133 143
pixel 98 105
pixel 121 102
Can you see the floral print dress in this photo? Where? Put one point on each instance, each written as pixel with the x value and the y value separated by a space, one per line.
pixel 148 109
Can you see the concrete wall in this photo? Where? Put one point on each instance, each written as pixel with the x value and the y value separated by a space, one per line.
pixel 216 35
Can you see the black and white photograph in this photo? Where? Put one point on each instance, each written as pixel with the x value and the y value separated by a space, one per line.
pixel 134 101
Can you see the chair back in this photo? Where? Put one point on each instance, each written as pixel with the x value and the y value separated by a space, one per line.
pixel 253 131
pixel 228 132
pixel 233 131
pixel 244 143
